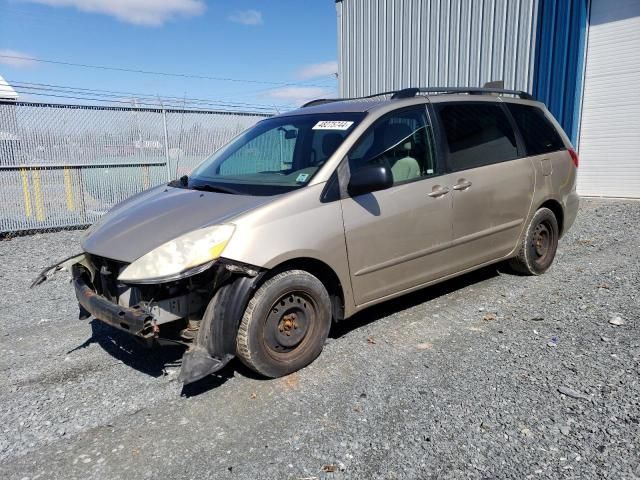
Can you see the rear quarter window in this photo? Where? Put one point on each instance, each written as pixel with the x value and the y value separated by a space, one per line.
pixel 477 134
pixel 538 133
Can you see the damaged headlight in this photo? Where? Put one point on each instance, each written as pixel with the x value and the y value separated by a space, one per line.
pixel 183 256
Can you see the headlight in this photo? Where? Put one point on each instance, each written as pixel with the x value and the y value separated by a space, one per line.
pixel 179 257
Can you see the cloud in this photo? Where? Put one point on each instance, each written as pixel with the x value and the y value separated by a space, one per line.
pixel 247 17
pixel 318 70
pixel 299 95
pixel 139 12
pixel 25 60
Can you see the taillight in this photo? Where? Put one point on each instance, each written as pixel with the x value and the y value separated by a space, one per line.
pixel 574 156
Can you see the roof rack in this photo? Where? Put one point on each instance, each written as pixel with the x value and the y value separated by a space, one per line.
pixel 320 101
pixel 413 91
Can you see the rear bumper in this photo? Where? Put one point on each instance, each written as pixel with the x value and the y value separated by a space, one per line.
pixel 572 203
pixel 133 320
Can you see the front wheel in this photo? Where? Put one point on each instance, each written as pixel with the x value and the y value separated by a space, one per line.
pixel 539 245
pixel 285 325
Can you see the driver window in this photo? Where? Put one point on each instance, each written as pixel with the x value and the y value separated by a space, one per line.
pixel 324 143
pixel 403 141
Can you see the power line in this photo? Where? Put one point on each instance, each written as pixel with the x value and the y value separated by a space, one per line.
pixel 254 93
pixel 118 94
pixel 145 104
pixel 155 101
pixel 58 93
pixel 151 72
pixel 331 78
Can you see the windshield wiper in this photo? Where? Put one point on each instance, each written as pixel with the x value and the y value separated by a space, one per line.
pixel 183 182
pixel 210 188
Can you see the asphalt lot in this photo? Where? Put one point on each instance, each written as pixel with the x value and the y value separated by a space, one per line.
pixel 460 380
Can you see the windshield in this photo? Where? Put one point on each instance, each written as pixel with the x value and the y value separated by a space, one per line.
pixel 276 155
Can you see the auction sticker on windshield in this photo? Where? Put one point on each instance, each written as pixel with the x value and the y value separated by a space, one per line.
pixel 332 125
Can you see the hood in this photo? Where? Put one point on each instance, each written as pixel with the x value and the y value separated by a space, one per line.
pixel 149 219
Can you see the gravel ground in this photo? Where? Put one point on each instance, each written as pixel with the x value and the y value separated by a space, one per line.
pixel 460 380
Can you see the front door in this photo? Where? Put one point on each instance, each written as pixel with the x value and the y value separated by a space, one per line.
pixel 398 238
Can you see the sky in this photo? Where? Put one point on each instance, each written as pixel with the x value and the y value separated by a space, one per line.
pixel 241 54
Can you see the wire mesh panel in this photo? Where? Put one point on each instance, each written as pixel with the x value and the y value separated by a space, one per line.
pixel 65 165
pixel 195 135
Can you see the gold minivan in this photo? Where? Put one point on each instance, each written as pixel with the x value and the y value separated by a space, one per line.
pixel 313 215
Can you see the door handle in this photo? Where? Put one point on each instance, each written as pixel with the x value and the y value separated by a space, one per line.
pixel 438 191
pixel 462 184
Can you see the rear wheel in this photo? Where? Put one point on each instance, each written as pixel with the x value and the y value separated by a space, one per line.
pixel 285 325
pixel 539 245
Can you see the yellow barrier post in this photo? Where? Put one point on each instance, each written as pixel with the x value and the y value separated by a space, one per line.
pixel 37 191
pixel 25 192
pixel 145 177
pixel 68 188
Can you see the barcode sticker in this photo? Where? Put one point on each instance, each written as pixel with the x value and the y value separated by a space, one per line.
pixel 333 125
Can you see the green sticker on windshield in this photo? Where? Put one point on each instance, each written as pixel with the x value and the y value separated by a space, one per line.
pixel 302 177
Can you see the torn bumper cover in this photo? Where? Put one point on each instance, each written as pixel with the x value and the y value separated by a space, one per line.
pixel 133 320
pixel 64 265
pixel 214 346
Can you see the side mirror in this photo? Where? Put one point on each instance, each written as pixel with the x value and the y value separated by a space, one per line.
pixel 370 178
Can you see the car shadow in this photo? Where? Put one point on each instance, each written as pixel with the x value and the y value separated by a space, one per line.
pixel 131 351
pixel 369 203
pixel 413 299
pixel 155 361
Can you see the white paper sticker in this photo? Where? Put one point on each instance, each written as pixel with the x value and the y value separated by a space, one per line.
pixel 302 177
pixel 333 125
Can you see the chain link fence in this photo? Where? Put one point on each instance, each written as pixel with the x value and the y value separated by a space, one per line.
pixel 65 165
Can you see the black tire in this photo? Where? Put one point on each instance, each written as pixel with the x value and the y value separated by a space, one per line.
pixel 539 245
pixel 285 325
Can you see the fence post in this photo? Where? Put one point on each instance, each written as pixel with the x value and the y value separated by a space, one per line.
pixel 166 144
pixel 83 201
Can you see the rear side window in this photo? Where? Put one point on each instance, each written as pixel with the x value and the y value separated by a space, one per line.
pixel 477 134
pixel 538 133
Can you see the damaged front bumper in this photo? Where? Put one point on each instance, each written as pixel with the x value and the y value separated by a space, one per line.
pixel 133 320
pixel 211 302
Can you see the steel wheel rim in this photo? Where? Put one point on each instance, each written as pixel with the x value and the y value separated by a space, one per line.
pixel 542 242
pixel 290 320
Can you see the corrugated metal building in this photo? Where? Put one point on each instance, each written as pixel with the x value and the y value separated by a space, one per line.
pixel 580 57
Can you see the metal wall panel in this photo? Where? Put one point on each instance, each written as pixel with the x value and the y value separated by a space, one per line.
pixel 391 44
pixel 559 59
